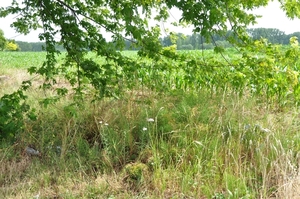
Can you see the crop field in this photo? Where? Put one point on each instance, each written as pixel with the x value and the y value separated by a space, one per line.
pixel 216 125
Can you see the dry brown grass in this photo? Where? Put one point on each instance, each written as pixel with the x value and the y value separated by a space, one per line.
pixel 13 79
pixel 51 184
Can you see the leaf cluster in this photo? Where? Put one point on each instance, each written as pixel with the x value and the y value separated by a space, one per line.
pixel 13 111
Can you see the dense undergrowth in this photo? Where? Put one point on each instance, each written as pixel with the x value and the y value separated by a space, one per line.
pixel 155 145
pixel 176 129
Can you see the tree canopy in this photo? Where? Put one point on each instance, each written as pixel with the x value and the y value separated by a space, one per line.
pixel 2 40
pixel 81 25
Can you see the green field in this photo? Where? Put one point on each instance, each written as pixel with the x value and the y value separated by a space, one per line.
pixel 217 126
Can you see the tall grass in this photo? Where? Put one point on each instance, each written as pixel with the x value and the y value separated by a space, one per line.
pixel 179 144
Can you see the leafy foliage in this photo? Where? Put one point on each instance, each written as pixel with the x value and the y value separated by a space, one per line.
pixel 12 109
pixel 12 46
pixel 2 40
pixel 81 27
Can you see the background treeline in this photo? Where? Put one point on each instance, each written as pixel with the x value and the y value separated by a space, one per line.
pixel 192 42
pixel 34 46
pixel 195 41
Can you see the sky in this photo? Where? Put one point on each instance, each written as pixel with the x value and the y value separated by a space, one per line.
pixel 272 17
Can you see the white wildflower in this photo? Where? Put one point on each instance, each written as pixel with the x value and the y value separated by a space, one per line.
pixel 262 130
pixel 150 120
pixel 144 129
pixel 37 196
pixel 104 123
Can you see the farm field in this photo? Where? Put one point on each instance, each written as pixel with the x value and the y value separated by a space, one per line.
pixel 217 126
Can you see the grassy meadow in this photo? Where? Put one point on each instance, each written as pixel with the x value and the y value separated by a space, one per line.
pixel 153 142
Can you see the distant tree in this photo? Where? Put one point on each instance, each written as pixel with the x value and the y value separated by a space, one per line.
pixel 12 46
pixel 37 46
pixel 295 34
pixel 129 45
pixel 272 34
pixel 2 40
pixel 24 46
pixel 60 47
pixel 180 40
pixel 187 47
pixel 166 41
pixel 207 46
pixel 194 40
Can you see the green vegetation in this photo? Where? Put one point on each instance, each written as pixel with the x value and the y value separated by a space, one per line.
pixel 11 45
pixel 191 42
pixel 35 46
pixel 96 122
pixel 2 40
pixel 196 41
pixel 21 60
pixel 172 141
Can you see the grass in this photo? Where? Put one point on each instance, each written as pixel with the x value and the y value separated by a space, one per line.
pixel 11 60
pixel 178 144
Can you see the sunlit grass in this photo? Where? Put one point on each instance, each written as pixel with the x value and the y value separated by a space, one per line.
pixel 21 59
pixel 176 144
